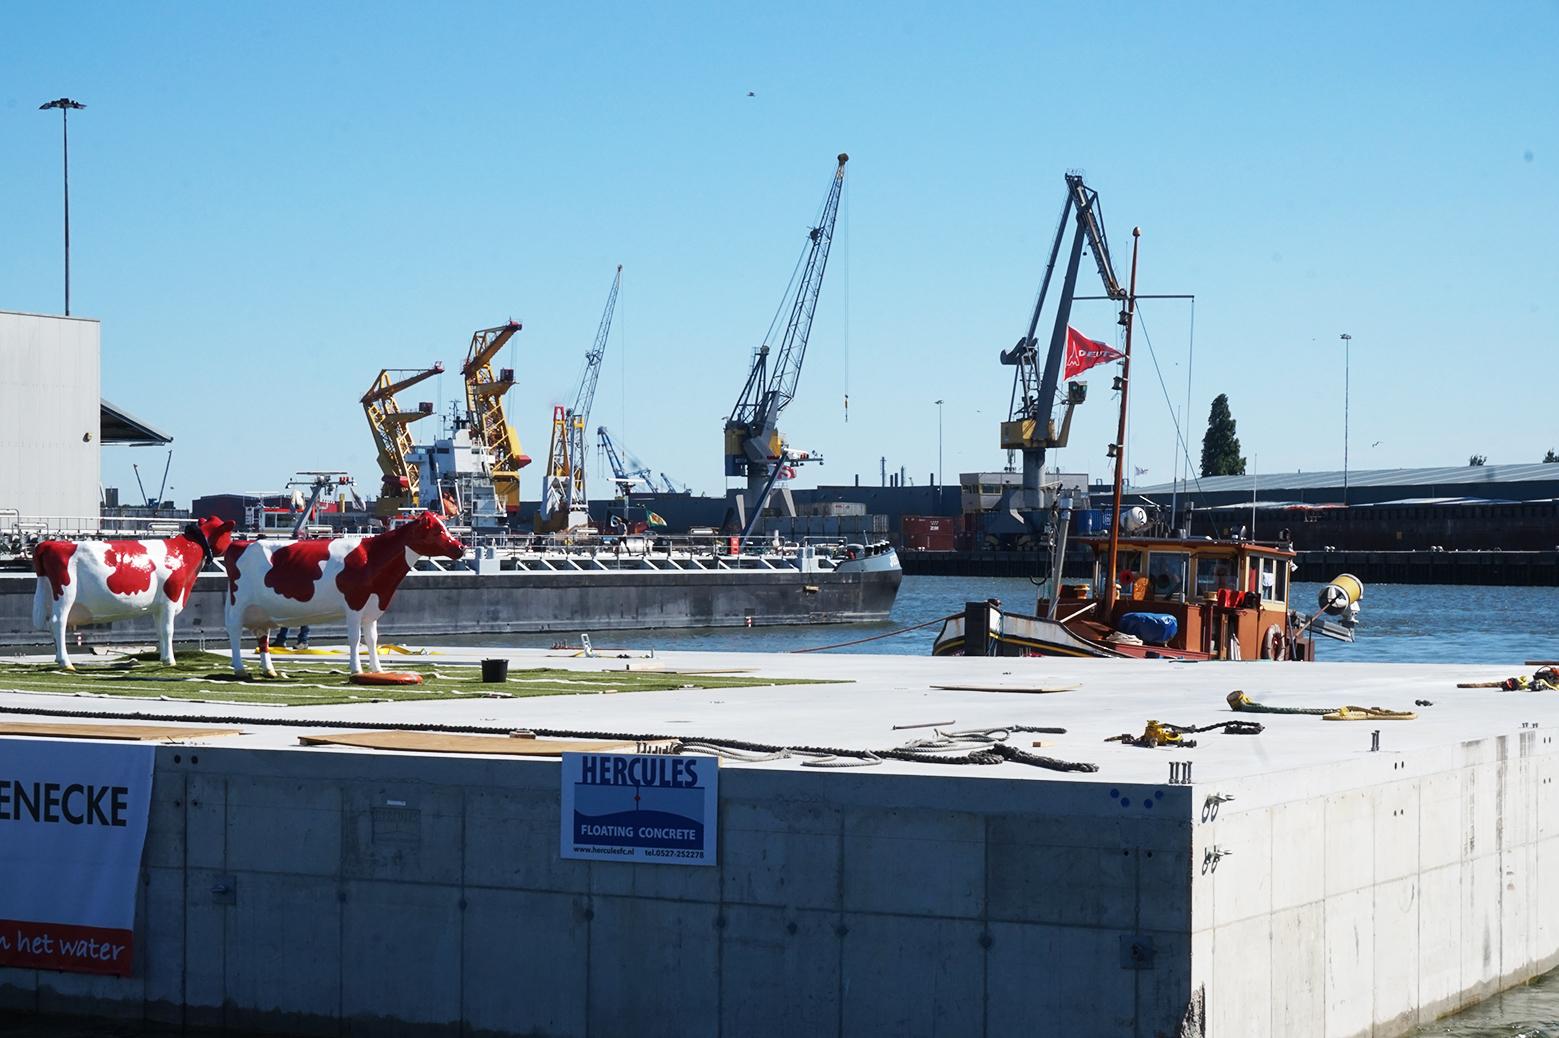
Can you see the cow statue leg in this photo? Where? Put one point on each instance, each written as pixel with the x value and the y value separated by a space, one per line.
pixel 266 666
pixel 57 628
pixel 51 611
pixel 58 613
pixel 372 629
pixel 163 615
pixel 354 633
pixel 235 635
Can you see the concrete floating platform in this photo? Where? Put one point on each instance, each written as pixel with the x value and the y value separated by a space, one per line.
pixel 1302 883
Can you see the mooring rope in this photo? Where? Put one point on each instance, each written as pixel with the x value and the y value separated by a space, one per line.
pixel 890 634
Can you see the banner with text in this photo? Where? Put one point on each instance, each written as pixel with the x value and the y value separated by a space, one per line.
pixel 73 815
pixel 622 807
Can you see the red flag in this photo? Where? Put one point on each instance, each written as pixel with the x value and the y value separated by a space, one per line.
pixel 1083 353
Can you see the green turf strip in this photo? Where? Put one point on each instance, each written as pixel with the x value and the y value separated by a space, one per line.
pixel 209 676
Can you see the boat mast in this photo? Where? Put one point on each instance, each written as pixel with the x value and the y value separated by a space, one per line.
pixel 1119 449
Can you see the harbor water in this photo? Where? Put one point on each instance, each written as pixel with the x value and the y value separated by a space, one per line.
pixel 1399 623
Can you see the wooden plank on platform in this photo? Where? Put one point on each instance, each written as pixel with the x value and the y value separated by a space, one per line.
pixel 442 742
pixel 132 732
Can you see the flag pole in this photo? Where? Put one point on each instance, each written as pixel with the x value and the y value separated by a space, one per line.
pixel 1111 586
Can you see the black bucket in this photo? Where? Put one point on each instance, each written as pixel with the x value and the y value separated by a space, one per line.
pixel 495 672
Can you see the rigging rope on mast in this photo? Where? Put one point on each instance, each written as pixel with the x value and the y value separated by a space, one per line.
pixel 1179 437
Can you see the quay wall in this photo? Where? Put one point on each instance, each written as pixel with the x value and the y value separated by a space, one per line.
pixel 841 904
pixel 1355 898
pixel 462 602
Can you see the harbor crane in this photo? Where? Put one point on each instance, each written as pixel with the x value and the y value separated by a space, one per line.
pixel 388 424
pixel 1030 426
pixel 626 468
pixel 565 503
pixel 754 448
pixel 484 408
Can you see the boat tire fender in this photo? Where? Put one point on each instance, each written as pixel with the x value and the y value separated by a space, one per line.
pixel 1272 643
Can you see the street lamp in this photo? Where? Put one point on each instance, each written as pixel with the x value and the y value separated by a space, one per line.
pixel 65 104
pixel 1347 342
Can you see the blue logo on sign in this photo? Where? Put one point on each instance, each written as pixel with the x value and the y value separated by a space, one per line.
pixel 639 802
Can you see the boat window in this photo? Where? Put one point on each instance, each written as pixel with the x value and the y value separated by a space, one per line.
pixel 1126 562
pixel 1214 575
pixel 1167 574
pixel 1272 577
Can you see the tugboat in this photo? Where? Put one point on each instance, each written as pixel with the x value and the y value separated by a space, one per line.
pixel 1171 597
pixel 1156 592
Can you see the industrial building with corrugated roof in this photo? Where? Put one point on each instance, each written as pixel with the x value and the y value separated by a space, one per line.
pixel 1366 487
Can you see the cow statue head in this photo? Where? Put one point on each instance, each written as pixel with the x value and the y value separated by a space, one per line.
pixel 212 534
pixel 428 536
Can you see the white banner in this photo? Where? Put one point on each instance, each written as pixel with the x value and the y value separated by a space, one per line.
pixel 624 807
pixel 72 826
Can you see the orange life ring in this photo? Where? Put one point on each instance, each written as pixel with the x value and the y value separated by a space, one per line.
pixel 1272 643
pixel 388 677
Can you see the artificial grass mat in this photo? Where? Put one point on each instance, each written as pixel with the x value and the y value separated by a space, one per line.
pixel 208 677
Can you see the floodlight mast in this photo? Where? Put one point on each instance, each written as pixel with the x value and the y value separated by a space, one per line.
pixel 65 104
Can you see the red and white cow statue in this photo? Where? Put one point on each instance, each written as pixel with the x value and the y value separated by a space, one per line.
pixel 94 582
pixel 291 583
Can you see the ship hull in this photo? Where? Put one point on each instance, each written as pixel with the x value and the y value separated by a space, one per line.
pixel 464 602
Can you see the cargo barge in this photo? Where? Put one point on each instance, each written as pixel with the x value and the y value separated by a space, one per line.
pixel 512 591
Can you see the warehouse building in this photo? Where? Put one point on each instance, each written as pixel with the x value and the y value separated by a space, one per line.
pixel 54 422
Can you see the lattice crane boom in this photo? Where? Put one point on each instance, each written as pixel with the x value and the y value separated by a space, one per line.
pixel 578 417
pixel 752 440
pixel 484 407
pixel 388 424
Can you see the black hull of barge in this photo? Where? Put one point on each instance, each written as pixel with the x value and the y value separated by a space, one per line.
pixel 462 603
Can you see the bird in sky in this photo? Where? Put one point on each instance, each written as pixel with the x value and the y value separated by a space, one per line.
pixel 751 94
pixel 1376 443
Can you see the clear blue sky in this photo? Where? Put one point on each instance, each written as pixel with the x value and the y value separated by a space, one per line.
pixel 271 202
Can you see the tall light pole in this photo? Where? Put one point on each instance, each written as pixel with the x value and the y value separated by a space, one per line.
pixel 1347 343
pixel 65 104
pixel 939 448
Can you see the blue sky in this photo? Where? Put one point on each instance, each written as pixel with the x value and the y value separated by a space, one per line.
pixel 270 203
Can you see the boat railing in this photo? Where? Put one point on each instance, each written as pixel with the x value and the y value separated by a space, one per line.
pixel 14 524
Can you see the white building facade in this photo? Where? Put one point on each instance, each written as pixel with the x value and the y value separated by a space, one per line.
pixel 50 415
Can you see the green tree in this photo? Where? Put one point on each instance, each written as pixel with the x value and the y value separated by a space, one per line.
pixel 1220 447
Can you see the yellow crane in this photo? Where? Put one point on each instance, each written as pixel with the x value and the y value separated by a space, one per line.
pixel 388 423
pixel 484 405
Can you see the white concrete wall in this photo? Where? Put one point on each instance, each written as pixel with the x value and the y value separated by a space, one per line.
pixel 1367 898
pixel 1361 898
pixel 843 904
pixel 50 401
